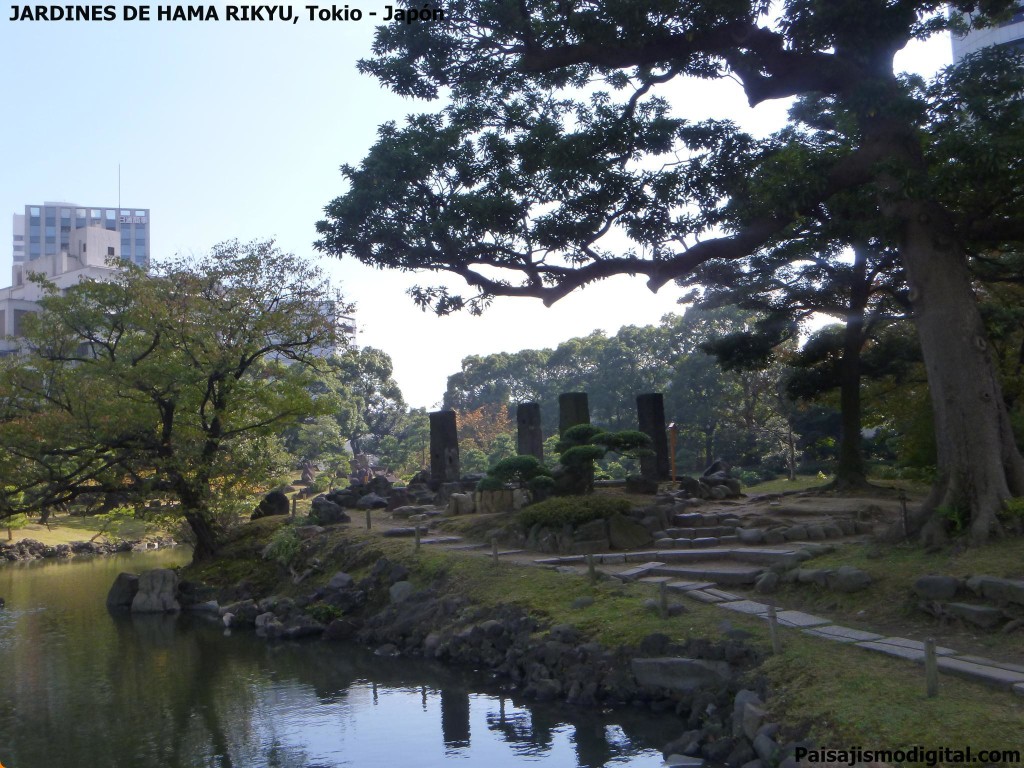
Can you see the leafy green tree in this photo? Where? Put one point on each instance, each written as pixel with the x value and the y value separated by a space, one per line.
pixel 174 384
pixel 373 406
pixel 538 182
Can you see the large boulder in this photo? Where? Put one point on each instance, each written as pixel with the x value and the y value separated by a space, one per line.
pixel 158 592
pixel 681 674
pixel 625 533
pixel 274 503
pixel 372 501
pixel 936 587
pixel 324 512
pixel 122 591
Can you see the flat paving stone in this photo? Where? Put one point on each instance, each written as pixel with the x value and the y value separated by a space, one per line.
pixel 899 651
pixel 611 559
pixel 640 557
pixel 511 552
pixel 467 547
pixel 731 575
pixel 981 673
pixel 704 597
pixel 842 634
pixel 635 572
pixel 686 586
pixel 441 540
pixel 745 606
pixel 800 619
pixel 655 579
pixel 991 663
pixel 723 594
pixel 916 645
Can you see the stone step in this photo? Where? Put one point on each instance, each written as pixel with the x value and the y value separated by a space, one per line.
pixel 981 673
pixel 703 519
pixel 442 540
pixel 785 557
pixel 719 573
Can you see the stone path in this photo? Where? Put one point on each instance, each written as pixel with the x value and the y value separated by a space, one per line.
pixel 697 574
pixel 995 673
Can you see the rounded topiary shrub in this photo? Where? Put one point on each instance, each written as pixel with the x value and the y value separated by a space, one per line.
pixel 571 510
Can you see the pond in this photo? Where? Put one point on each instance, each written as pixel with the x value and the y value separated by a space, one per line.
pixel 80 687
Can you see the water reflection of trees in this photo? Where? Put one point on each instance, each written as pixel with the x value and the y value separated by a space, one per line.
pixel 168 691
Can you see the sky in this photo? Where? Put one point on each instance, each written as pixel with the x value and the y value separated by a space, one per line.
pixel 230 130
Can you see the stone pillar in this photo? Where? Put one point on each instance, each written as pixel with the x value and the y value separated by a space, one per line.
pixel 573 409
pixel 650 413
pixel 444 447
pixel 530 438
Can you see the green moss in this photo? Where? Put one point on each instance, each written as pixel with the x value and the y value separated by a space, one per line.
pixel 571 510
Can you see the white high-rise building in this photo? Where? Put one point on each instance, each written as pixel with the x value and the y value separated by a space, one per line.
pixel 1010 33
pixel 66 243
pixel 45 230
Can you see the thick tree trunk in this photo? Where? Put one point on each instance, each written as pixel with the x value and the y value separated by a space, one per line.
pixel 207 544
pixel 978 462
pixel 850 471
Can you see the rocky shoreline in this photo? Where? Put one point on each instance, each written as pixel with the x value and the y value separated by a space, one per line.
pixel 712 685
pixel 30 549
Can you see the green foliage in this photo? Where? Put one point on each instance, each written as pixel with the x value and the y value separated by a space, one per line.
pixel 518 469
pixel 170 384
pixel 122 524
pixel 284 546
pixel 490 483
pixel 571 510
pixel 324 612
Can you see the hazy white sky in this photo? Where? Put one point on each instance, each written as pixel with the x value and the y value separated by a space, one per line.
pixel 236 130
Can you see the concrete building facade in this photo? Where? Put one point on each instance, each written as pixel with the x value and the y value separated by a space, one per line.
pixel 1010 33
pixel 46 230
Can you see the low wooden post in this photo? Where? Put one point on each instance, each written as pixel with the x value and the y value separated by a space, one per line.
pixel 294 504
pixel 367 519
pixel 663 598
pixel 416 528
pixel 931 669
pixel 494 549
pixel 591 570
pixel 903 509
pixel 773 630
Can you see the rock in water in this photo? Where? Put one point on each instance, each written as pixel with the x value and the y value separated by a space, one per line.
pixel 158 592
pixel 123 591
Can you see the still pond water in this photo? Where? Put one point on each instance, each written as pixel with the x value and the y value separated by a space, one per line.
pixel 80 687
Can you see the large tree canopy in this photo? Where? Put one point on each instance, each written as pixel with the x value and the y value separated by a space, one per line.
pixel 173 385
pixel 555 163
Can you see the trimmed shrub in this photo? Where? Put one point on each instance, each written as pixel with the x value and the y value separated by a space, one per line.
pixel 571 510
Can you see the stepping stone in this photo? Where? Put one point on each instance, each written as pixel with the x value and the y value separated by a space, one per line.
pixel 441 540
pixel 842 634
pixel 746 606
pixel 511 552
pixel 467 547
pixel 704 597
pixel 730 575
pixel 917 645
pixel 640 557
pixel 991 663
pixel 611 559
pixel 686 586
pixel 704 542
pixel 766 556
pixel 634 573
pixel 800 619
pixel 898 651
pixel 981 673
pixel 556 560
pixel 723 594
